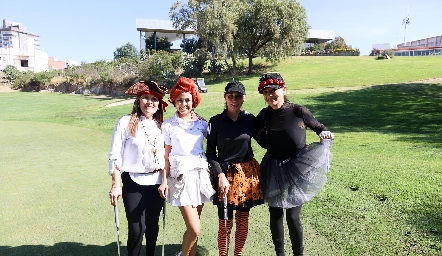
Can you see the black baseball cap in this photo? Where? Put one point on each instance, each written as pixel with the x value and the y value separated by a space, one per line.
pixel 235 86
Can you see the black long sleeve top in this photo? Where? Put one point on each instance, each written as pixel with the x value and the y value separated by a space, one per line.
pixel 286 129
pixel 228 140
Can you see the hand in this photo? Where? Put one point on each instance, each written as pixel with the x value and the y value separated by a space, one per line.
pixel 115 194
pixel 326 135
pixel 163 190
pixel 223 184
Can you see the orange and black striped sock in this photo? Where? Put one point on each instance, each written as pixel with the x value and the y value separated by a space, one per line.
pixel 222 236
pixel 242 230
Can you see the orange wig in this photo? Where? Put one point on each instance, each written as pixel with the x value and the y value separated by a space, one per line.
pixel 185 84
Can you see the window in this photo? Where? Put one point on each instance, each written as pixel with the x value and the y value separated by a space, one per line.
pixel 24 63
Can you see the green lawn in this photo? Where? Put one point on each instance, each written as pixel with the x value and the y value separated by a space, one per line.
pixel 383 196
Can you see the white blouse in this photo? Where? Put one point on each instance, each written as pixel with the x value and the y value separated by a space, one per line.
pixel 187 137
pixel 140 155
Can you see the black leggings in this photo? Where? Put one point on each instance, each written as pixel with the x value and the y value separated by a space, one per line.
pixel 143 206
pixel 295 229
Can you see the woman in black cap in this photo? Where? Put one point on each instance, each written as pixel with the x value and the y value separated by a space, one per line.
pixel 292 173
pixel 235 170
pixel 137 158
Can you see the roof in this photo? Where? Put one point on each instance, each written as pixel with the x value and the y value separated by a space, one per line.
pixel 320 36
pixel 163 28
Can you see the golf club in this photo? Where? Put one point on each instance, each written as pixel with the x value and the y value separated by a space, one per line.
pixel 117 224
pixel 226 217
pixel 164 226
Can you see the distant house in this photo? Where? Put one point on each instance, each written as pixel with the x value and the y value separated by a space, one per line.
pixel 19 48
pixel 318 37
pixel 422 47
pixel 56 64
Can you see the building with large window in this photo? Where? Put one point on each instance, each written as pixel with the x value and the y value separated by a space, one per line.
pixel 19 48
pixel 422 47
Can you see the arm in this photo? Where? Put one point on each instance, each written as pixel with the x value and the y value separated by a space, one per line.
pixel 314 124
pixel 115 160
pixel 164 188
pixel 211 153
pixel 260 129
pixel 115 193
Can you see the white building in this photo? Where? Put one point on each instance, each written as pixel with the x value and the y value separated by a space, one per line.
pixel 422 47
pixel 318 37
pixel 19 48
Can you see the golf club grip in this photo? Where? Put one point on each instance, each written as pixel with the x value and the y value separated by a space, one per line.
pixel 164 211
pixel 117 219
pixel 225 208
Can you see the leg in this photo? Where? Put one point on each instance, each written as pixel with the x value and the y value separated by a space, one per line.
pixel 222 244
pixel 191 218
pixel 135 209
pixel 295 230
pixel 277 229
pixel 242 230
pixel 154 205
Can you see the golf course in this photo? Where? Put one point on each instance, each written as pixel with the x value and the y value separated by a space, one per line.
pixel 383 195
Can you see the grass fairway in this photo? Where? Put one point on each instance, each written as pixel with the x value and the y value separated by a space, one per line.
pixel 383 195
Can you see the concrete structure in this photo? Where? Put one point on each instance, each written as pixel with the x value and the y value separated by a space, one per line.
pixel 164 28
pixel 19 48
pixel 422 47
pixel 318 37
pixel 56 64
pixel 160 28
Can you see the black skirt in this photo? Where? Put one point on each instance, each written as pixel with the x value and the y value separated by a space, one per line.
pixel 295 181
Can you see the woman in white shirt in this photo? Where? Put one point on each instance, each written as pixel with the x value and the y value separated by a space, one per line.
pixel 137 158
pixel 188 183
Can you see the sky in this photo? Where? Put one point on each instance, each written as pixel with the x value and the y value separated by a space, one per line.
pixel 91 30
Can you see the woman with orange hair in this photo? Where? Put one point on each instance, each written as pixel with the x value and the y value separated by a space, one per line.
pixel 186 181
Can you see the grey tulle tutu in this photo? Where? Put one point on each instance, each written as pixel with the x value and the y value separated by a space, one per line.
pixel 295 181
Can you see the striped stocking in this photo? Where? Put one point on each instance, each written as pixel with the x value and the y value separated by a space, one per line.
pixel 242 229
pixel 222 236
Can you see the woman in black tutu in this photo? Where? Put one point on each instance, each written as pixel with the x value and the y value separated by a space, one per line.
pixel 292 173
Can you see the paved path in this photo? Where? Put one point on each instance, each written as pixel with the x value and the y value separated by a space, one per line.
pixel 119 103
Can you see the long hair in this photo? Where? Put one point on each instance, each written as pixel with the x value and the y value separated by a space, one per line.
pixel 137 113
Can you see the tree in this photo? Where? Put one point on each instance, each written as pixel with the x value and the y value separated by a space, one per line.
pixel 272 29
pixel 162 44
pixel 337 43
pixel 126 51
pixel 190 45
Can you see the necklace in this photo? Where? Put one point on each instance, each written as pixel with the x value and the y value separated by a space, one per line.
pixel 152 141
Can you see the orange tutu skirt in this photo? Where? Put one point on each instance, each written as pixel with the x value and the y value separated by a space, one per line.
pixel 245 191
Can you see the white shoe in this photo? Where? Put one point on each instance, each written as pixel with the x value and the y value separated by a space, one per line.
pixel 179 253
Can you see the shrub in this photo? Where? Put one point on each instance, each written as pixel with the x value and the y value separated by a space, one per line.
pixel 388 52
pixel 40 79
pixel 195 65
pixel 23 79
pixel 216 66
pixel 160 66
pixel 11 73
